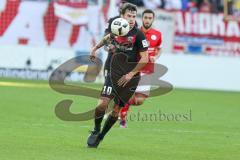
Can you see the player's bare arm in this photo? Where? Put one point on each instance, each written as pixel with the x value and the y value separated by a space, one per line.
pixel 142 62
pixel 157 55
pixel 99 45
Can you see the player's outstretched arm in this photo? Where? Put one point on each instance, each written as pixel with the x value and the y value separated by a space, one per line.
pixel 142 62
pixel 103 41
pixel 153 59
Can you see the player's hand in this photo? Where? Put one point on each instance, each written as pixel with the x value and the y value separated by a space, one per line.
pixel 111 47
pixel 93 54
pixel 125 79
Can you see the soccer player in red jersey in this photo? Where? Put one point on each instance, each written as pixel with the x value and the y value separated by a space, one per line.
pixel 154 38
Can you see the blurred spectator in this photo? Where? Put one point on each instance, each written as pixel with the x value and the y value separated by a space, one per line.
pixel 162 4
pixel 192 6
pixel 185 5
pixel 173 4
pixel 152 4
pixel 234 8
pixel 198 3
pixel 136 2
pixel 237 9
pixel 205 7
pixel 216 6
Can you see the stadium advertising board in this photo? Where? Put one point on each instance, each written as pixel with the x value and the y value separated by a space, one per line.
pixel 206 33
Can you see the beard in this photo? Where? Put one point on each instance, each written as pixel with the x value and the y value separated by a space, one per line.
pixel 147 26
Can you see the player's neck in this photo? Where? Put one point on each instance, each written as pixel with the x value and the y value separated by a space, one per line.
pixel 145 29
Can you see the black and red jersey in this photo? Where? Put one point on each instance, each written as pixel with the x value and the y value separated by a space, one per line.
pixel 130 45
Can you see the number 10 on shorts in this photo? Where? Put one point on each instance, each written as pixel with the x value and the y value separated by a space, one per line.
pixel 107 90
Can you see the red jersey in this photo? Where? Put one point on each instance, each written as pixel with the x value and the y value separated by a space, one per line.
pixel 154 39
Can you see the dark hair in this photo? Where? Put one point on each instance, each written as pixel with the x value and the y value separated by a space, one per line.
pixel 120 7
pixel 128 6
pixel 148 11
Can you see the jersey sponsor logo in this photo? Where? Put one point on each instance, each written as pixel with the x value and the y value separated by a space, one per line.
pixel 130 38
pixel 124 43
pixel 124 47
pixel 144 43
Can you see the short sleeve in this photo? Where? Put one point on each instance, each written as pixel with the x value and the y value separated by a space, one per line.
pixel 108 27
pixel 141 42
pixel 159 44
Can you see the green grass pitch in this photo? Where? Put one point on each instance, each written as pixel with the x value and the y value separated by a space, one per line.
pixel 29 129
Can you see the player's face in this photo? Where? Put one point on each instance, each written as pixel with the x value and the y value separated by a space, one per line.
pixel 130 16
pixel 147 20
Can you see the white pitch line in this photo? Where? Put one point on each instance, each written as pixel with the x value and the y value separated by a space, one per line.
pixel 21 84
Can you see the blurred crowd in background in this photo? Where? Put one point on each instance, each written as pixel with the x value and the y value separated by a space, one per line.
pixel 196 26
pixel 214 6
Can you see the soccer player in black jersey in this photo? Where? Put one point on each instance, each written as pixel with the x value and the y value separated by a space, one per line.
pixel 109 47
pixel 121 76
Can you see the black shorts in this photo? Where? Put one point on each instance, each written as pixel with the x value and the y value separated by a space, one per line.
pixel 109 92
pixel 111 89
